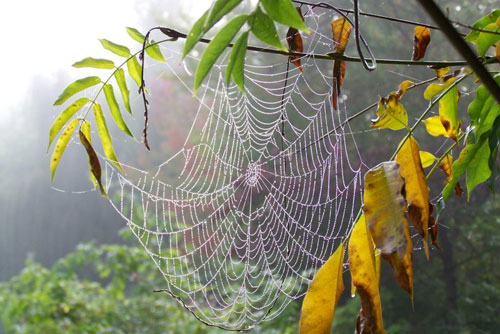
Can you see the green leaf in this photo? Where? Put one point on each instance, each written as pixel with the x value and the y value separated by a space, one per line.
pixel 207 21
pixel 486 40
pixel 102 129
pixel 478 169
pixel 122 84
pixel 283 11
pixel 94 165
pixel 152 50
pixel 115 109
pixel 216 47
pixel 64 117
pixel 134 70
pixel 85 130
pixel 263 28
pixel 75 87
pixel 61 144
pixel 95 63
pixel 481 23
pixel 117 49
pixel 235 66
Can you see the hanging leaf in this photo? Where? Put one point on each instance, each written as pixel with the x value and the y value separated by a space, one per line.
pixel 362 266
pixel 64 117
pixel 426 159
pixel 341 29
pixel 421 39
pixel 483 110
pixel 61 144
pixel 115 109
pixel 135 70
pixel 236 63
pixel 478 170
pixel 325 290
pixel 75 87
pixel 218 9
pixel 283 11
pixel 102 129
pixel 122 84
pixel 384 206
pixel 402 266
pixel 216 47
pixel 497 51
pixel 486 40
pixel 264 29
pixel 446 167
pixel 152 50
pixel 95 63
pixel 403 87
pixel 94 165
pixel 416 190
pixel 117 49
pixel 433 228
pixel 391 114
pixel 294 41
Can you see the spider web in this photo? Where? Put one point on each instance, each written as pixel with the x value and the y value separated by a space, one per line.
pixel 267 188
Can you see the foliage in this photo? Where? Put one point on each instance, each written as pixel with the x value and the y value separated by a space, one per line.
pixel 382 222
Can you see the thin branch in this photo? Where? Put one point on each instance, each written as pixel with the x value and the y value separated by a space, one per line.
pixel 333 56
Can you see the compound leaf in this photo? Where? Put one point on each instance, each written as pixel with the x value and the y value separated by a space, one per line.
pixel 75 87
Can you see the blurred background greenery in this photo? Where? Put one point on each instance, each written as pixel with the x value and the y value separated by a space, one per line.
pixel 66 268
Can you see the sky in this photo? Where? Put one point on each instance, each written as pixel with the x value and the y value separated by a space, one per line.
pixel 41 39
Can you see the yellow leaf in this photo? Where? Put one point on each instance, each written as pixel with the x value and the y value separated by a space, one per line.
pixel 391 114
pixel 318 308
pixel 421 38
pixel 103 132
pixel 403 87
pixel 363 274
pixel 85 129
pixel 434 126
pixel 416 190
pixel 426 158
pixel 384 207
pixel 445 166
pixel 61 144
pixel 402 266
pixel 441 72
pixel 435 88
pixel 498 52
pixel 341 29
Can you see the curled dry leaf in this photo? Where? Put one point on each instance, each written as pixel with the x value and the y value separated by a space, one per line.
pixel 416 190
pixel 95 166
pixel 341 29
pixel 294 41
pixel 433 228
pixel 446 167
pixel 421 38
pixel 391 113
pixel 362 265
pixel 325 290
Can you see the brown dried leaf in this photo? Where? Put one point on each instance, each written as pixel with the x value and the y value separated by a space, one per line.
pixel 445 166
pixel 341 29
pixel 295 44
pixel 421 38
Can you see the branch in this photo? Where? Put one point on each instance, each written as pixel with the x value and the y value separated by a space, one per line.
pixel 332 56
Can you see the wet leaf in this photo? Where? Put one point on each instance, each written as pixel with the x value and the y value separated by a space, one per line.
pixel 61 144
pixel 295 43
pixel 115 109
pixel 391 114
pixel 421 39
pixel 95 63
pixel 416 190
pixel 122 84
pixel 218 9
pixel 236 63
pixel 64 117
pixel 283 11
pixel 325 290
pixel 362 265
pixel 102 129
pixel 117 49
pixel 384 206
pixel 75 87
pixel 341 29
pixel 402 265
pixel 152 50
pixel 216 47
pixel 94 164
pixel 135 70
pixel 264 29
pixel 427 159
